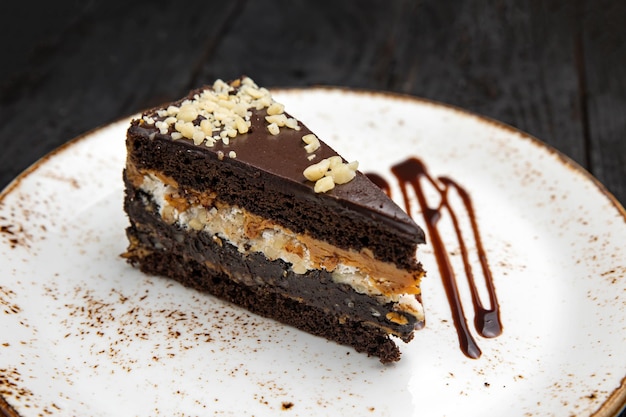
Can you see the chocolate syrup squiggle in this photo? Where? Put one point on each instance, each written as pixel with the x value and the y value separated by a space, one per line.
pixel 411 173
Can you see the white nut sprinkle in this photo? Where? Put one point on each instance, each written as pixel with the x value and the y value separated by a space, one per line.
pixel 206 127
pixel 187 113
pixel 240 109
pixel 278 119
pixel 219 113
pixel 324 184
pixel 228 104
pixel 185 128
pixel 292 123
pixel 312 143
pixel 342 174
pixel 242 126
pixel 198 136
pixel 248 81
pixel 232 154
pixel 275 108
pixel 253 92
pixel 332 168
pixel 335 161
pixel 220 86
pixel 273 128
pixel 316 171
pixel 263 102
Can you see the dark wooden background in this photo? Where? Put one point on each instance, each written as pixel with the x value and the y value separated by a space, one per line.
pixel 555 69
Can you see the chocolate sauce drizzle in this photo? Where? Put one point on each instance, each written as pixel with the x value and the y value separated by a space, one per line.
pixel 411 173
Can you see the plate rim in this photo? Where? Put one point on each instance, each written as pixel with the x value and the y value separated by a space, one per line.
pixel 614 403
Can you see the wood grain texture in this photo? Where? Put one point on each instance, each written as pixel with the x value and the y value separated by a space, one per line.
pixel 604 57
pixel 551 68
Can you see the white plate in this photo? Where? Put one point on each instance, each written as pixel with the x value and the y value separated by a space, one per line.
pixel 85 334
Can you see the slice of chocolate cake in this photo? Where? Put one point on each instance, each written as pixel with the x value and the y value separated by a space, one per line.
pixel 229 194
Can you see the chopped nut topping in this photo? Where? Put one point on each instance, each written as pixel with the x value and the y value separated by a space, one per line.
pixel 341 174
pixel 317 171
pixel 187 113
pixel 292 123
pixel 312 143
pixel 242 126
pixel 278 119
pixel 335 161
pixel 275 108
pixel 324 184
pixel 330 172
pixel 221 113
pixel 273 129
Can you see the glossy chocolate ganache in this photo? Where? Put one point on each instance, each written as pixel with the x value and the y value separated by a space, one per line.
pixel 411 174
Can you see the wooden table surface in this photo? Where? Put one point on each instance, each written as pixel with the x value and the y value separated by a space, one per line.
pixel 554 69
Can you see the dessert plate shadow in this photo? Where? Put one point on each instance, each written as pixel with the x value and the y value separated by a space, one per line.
pixel 83 333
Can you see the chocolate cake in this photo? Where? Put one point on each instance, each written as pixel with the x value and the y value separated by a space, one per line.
pixel 229 194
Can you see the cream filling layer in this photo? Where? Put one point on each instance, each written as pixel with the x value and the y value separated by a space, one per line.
pixel 231 224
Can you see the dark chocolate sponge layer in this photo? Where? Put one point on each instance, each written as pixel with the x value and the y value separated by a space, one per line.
pixel 260 300
pixel 315 288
